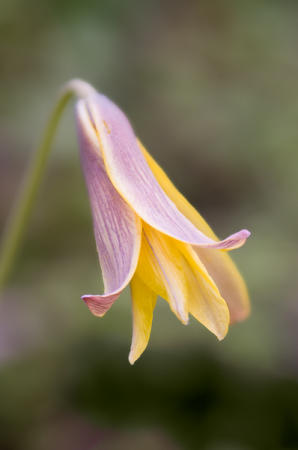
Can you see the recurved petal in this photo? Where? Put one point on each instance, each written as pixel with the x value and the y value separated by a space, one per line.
pixel 117 229
pixel 133 179
pixel 143 303
pixel 218 263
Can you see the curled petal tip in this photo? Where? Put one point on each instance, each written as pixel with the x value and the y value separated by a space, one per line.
pixel 99 304
pixel 245 233
pixel 234 241
pixel 242 235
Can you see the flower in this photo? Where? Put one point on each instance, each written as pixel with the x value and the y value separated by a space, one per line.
pixel 148 235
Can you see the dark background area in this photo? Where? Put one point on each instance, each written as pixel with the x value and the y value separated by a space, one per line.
pixel 212 91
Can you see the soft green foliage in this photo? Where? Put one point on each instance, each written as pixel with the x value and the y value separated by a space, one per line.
pixel 212 89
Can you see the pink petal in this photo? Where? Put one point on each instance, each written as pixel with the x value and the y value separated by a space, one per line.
pixel 133 179
pixel 117 229
pixel 100 304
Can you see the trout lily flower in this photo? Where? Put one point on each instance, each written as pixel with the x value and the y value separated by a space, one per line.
pixel 148 235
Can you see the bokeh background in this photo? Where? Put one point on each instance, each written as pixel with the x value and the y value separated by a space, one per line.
pixel 212 90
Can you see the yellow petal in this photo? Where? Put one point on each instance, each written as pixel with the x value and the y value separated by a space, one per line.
pixel 160 269
pixel 204 300
pixel 229 282
pixel 218 262
pixel 143 303
pixel 173 270
pixel 148 269
pixel 166 258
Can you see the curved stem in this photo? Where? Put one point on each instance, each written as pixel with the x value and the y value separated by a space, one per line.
pixel 22 209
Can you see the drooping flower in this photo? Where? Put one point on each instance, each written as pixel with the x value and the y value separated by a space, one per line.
pixel 148 235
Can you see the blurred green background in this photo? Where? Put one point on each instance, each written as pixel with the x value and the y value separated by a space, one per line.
pixel 212 90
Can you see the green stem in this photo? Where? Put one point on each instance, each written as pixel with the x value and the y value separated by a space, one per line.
pixel 22 209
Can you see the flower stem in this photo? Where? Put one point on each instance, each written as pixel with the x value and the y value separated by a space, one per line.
pixel 22 209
